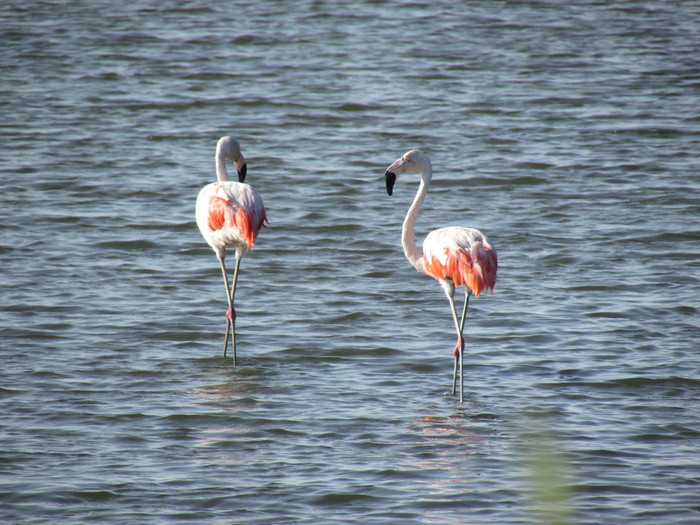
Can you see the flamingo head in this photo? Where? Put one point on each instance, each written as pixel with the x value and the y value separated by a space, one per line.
pixel 231 149
pixel 414 161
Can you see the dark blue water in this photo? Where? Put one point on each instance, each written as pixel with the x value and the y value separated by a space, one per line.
pixel 568 134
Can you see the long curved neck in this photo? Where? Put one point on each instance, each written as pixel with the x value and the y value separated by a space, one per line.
pixel 408 236
pixel 221 173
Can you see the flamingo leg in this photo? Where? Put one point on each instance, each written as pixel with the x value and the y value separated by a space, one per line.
pixel 232 320
pixel 460 343
pixel 454 374
pixel 459 347
pixel 230 304
pixel 467 295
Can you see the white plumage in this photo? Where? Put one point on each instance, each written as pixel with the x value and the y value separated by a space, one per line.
pixel 454 256
pixel 230 214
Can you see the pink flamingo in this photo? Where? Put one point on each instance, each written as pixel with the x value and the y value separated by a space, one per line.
pixel 230 214
pixel 454 255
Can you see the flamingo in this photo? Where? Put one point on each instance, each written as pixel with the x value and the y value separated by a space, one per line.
pixel 454 255
pixel 229 215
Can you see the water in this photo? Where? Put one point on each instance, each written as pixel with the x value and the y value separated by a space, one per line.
pixel 567 133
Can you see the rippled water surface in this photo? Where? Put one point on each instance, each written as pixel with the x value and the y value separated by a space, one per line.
pixel 567 132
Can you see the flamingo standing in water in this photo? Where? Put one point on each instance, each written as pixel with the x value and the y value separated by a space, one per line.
pixel 454 255
pixel 229 215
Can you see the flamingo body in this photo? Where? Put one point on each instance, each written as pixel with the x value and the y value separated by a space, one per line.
pixel 455 256
pixel 229 215
pixel 462 255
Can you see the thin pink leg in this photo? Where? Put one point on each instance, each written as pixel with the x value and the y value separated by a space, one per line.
pixel 231 314
pixel 459 356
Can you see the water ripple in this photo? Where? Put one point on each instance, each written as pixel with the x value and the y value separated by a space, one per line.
pixel 566 133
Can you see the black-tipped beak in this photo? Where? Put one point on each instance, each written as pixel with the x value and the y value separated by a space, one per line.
pixel 390 180
pixel 242 173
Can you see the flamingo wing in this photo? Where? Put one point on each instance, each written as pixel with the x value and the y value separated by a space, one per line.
pixel 462 255
pixel 230 213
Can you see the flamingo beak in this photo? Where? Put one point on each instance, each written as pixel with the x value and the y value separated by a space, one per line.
pixel 390 178
pixel 242 168
pixel 242 171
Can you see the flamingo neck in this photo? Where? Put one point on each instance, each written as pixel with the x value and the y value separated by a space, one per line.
pixel 408 236
pixel 221 173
